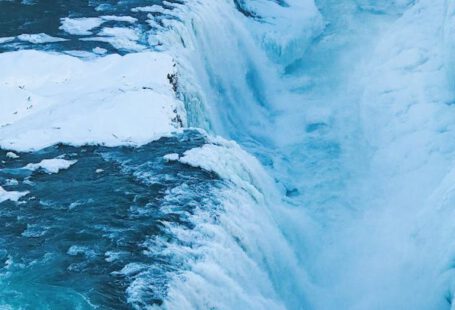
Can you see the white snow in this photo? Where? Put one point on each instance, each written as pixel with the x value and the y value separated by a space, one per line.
pixel 6 39
pixel 119 37
pixel 81 54
pixel 12 155
pixel 99 50
pixel 360 126
pixel 126 19
pixel 80 26
pixel 171 157
pixel 13 195
pixel 39 38
pixel 127 33
pixel 49 98
pixel 85 25
pixel 51 165
pixel 149 9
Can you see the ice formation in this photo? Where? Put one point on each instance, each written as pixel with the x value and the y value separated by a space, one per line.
pixel 330 124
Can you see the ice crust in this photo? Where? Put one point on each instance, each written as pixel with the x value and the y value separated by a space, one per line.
pixel 51 165
pixel 49 98
pixel 349 107
pixel 11 195
pixel 38 38
pixel 85 25
pixel 80 26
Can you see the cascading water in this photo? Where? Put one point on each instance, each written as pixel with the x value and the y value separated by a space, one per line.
pixel 304 100
pixel 314 170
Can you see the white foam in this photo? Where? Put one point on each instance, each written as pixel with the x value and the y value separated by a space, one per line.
pixel 286 31
pixel 238 255
pixel 11 182
pixel 75 250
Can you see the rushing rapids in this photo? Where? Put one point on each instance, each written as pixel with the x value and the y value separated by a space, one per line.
pixel 246 154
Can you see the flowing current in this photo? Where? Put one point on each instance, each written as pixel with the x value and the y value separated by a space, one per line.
pixel 312 168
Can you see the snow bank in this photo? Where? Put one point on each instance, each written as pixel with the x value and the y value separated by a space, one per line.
pixel 49 98
pixel 51 165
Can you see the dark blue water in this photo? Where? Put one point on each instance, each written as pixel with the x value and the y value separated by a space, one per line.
pixel 43 16
pixel 69 243
pixel 94 235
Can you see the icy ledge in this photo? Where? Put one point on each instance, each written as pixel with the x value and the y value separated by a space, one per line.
pixel 50 98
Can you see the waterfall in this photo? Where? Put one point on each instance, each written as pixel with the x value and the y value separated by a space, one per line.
pixel 312 89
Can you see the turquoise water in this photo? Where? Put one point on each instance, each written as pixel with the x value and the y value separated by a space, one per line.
pixel 86 237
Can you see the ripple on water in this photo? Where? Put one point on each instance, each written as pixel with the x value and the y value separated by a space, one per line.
pixel 83 238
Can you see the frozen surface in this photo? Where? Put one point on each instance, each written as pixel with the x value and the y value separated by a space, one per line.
pixel 126 19
pixel 119 37
pixel 12 155
pixel 48 98
pixel 39 38
pixel 338 191
pixel 84 25
pixel 80 26
pixel 51 165
pixel 149 9
pixel 10 195
pixel 6 39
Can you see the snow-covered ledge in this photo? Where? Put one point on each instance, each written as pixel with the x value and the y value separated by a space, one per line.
pixel 48 98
